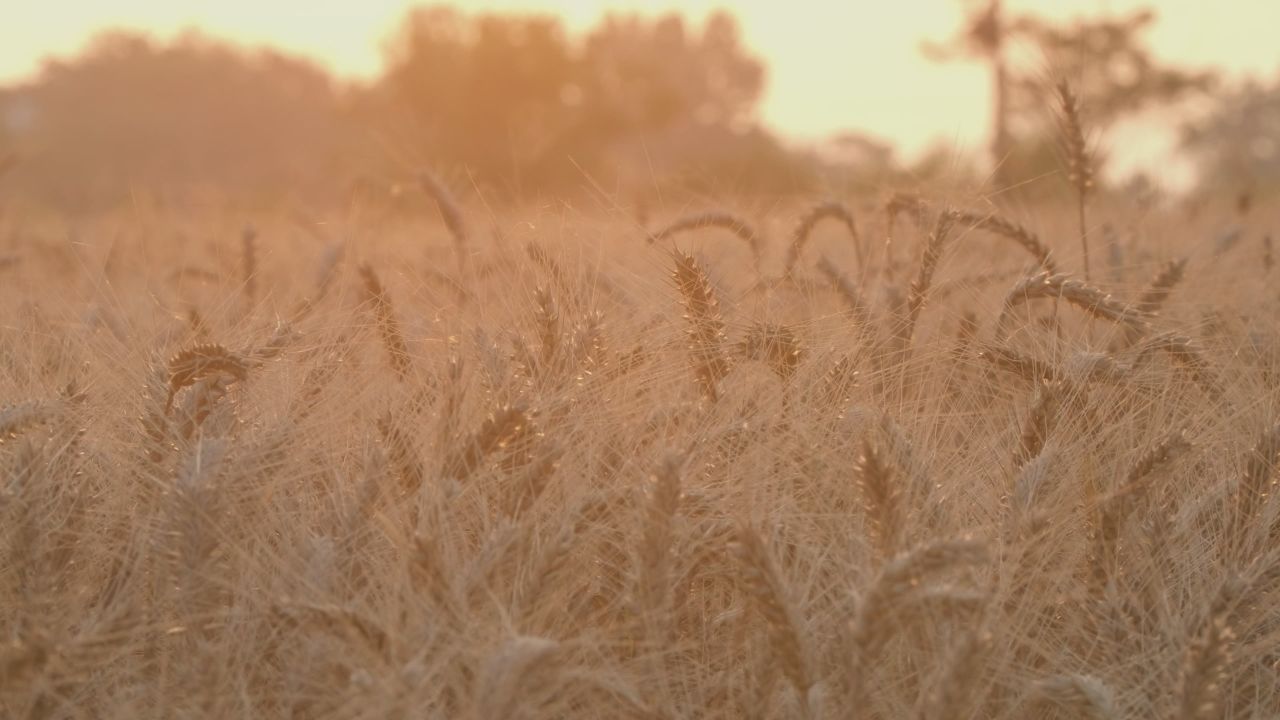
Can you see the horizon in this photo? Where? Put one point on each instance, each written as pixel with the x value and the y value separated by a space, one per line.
pixel 800 103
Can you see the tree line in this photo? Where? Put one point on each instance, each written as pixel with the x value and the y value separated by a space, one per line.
pixel 515 106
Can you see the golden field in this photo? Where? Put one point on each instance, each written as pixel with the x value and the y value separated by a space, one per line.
pixel 552 461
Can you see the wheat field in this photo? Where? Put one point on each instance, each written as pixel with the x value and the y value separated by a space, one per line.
pixel 876 457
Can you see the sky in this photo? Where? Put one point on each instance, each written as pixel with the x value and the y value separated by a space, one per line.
pixel 833 64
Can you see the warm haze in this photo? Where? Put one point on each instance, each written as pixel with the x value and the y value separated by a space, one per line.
pixel 832 65
pixel 460 363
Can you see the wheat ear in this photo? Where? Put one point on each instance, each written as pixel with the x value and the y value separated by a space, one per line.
pixel 1088 298
pixel 388 324
pixel 1079 163
pixel 706 328
pixel 767 586
pixel 449 212
pixel 881 498
pixel 199 362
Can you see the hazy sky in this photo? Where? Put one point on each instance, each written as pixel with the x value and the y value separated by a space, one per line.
pixel 833 64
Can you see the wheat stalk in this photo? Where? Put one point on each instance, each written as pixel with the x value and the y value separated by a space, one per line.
pixel 1079 163
pixel 1158 290
pixel 929 260
pixel 774 344
pixel 1114 510
pixel 881 499
pixel 1206 661
pixel 498 431
pixel 657 537
pixel 1077 696
pixel 324 280
pixel 402 451
pixel 816 214
pixel 449 212
pixel 200 362
pixel 952 693
pixel 767 586
pixel 547 320
pixel 1088 298
pixel 1011 230
pixel 1258 481
pixel 848 292
pixel 19 417
pixel 1038 424
pixel 706 328
pixel 718 219
pixel 1184 351
pixel 886 604
pixel 508 673
pixel 249 262
pixel 988 221
pixel 388 324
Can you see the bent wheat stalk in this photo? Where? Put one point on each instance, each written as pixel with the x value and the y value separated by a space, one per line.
pixel 449 212
pixel 1088 298
pixel 719 219
pixel 199 362
pixel 1008 229
pixel 800 236
pixel 986 221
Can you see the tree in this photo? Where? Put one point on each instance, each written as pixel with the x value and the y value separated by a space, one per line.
pixel 512 99
pixel 1107 63
pixel 1106 60
pixel 1238 142
pixel 492 91
pixel 679 103
pixel 130 115
pixel 646 76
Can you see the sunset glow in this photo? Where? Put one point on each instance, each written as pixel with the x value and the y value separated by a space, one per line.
pixel 832 65
pixel 639 359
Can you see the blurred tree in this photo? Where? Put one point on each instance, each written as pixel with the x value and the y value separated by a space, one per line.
pixel 648 75
pixel 1108 65
pixel 129 116
pixel 1105 59
pixel 510 98
pixel 1238 142
pixel 515 102
pixel 680 105
pixel 8 119
pixel 490 92
pixel 856 164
